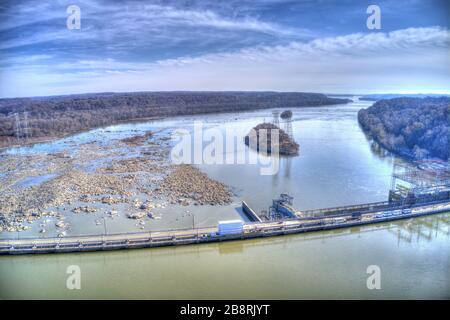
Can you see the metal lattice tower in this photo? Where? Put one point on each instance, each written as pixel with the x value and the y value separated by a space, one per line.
pixel 274 209
pixel 288 128
pixel 17 126
pixel 421 174
pixel 21 125
pixel 26 128
pixel 276 117
pixel 422 179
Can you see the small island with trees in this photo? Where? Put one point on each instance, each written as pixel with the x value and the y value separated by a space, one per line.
pixel 287 114
pixel 415 128
pixel 286 145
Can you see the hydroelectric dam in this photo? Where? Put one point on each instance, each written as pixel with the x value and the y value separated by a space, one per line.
pixel 413 193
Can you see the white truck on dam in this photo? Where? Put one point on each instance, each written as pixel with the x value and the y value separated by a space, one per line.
pixel 230 227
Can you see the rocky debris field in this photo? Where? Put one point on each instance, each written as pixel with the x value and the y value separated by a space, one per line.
pixel 132 165
pixel 94 179
pixel 137 140
pixel 84 209
pixel 186 184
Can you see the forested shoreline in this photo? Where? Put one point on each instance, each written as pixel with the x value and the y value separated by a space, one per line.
pixel 413 127
pixel 38 118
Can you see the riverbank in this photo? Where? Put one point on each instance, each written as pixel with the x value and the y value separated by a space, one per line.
pixel 29 120
pixel 30 141
pixel 414 128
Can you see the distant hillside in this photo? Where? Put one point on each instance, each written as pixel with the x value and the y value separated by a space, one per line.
pixel 50 117
pixel 413 127
pixel 383 96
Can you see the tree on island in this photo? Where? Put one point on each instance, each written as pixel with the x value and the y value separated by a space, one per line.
pixel 261 138
pixel 287 114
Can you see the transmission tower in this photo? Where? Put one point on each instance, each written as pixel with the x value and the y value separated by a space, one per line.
pixel 17 126
pixel 288 127
pixel 419 179
pixel 276 117
pixel 26 128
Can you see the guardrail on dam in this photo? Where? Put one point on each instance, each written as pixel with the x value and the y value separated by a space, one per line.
pixel 192 236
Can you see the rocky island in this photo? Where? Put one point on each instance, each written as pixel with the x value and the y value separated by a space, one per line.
pixel 286 145
pixel 287 114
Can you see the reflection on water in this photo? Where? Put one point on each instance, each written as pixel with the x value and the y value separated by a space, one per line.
pixel 32 181
pixel 378 150
pixel 428 229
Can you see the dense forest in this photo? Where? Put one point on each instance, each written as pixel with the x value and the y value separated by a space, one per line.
pixel 32 119
pixel 412 127
pixel 384 96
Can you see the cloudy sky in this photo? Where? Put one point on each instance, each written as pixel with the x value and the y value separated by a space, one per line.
pixel 283 45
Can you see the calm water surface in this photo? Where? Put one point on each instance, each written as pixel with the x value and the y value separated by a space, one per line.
pixel 413 255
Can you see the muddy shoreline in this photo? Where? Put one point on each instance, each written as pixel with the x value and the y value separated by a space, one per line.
pixel 132 177
pixel 32 141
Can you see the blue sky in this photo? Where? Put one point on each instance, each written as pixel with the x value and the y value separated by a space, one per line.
pixel 283 45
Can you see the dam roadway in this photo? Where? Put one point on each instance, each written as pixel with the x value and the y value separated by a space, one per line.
pixel 203 235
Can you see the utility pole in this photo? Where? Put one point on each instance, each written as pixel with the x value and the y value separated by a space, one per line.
pixel 276 117
pixel 26 128
pixel 17 126
pixel 288 128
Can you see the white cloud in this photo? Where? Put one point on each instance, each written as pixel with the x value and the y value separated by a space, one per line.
pixel 414 59
pixel 167 15
pixel 124 24
pixel 23 60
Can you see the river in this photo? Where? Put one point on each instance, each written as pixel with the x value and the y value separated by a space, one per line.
pixel 337 165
